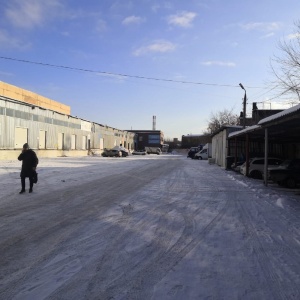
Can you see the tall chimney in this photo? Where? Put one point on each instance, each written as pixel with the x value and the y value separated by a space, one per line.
pixel 154 123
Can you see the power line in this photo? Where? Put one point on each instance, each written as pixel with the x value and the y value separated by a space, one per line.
pixel 262 94
pixel 121 75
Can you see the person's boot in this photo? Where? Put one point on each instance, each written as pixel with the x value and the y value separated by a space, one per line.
pixel 22 191
pixel 30 190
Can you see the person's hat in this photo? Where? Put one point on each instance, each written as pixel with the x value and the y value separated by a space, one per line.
pixel 25 146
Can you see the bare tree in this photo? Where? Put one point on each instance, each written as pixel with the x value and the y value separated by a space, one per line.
pixel 221 118
pixel 287 72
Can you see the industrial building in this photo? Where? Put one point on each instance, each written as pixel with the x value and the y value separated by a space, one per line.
pixel 194 140
pixel 148 138
pixel 48 127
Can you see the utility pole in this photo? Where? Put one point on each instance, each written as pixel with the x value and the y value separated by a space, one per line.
pixel 244 106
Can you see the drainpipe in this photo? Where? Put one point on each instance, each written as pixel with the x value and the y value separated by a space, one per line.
pixel 266 157
pixel 247 155
pixel 235 156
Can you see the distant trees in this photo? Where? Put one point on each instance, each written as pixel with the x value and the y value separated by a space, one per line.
pixel 286 68
pixel 221 118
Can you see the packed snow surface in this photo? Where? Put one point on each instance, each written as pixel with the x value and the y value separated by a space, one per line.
pixel 146 227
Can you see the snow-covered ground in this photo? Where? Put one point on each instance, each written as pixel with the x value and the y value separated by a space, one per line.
pixel 153 227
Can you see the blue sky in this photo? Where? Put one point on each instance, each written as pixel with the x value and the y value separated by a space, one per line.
pixel 215 44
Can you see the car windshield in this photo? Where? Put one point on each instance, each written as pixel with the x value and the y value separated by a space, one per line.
pixel 286 163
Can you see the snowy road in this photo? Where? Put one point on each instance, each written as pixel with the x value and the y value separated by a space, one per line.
pixel 154 227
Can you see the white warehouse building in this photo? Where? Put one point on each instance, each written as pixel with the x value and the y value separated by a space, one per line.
pixel 49 129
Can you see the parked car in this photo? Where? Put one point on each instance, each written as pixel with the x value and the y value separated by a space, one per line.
pixel 287 174
pixel 139 152
pixel 111 153
pixel 237 166
pixel 256 166
pixel 124 151
pixel 192 152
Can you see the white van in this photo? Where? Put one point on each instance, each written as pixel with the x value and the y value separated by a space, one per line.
pixel 205 153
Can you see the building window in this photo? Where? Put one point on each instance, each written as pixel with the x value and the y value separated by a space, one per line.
pixel 154 139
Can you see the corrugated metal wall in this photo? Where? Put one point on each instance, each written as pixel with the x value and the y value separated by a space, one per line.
pixel 219 148
pixel 14 115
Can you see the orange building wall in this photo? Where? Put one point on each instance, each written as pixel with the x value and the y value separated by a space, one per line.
pixel 13 92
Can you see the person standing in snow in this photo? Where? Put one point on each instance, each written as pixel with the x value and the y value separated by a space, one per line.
pixel 29 163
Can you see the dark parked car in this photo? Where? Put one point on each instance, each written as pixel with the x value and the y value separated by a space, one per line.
pixel 111 153
pixel 123 150
pixel 287 174
pixel 193 151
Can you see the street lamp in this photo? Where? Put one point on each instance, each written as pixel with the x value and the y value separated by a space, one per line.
pixel 244 106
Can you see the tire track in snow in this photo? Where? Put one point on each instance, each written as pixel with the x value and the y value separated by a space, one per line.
pixel 273 279
pixel 105 275
pixel 58 228
pixel 101 266
pixel 139 283
pixel 142 287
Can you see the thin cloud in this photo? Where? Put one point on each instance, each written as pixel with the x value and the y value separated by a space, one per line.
pixel 160 46
pixel 155 8
pixel 101 25
pixel 6 74
pixel 114 77
pixel 8 42
pixel 261 26
pixel 293 36
pixel 183 19
pixel 132 20
pixel 219 63
pixel 30 13
pixel 268 35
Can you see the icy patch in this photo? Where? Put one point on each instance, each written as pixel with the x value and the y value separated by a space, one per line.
pixel 55 274
pixel 279 202
pixel 238 181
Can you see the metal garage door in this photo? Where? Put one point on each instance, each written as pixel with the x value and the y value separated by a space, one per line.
pixel 21 136
pixel 60 142
pixel 73 141
pixel 42 139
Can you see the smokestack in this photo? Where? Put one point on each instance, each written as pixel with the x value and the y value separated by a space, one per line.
pixel 154 123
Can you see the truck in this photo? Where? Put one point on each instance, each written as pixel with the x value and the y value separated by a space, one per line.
pixel 205 153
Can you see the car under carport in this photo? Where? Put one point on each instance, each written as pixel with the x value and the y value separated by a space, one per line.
pixel 277 135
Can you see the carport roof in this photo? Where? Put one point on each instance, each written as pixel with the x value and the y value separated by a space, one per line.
pixel 282 115
pixel 244 131
pixel 282 127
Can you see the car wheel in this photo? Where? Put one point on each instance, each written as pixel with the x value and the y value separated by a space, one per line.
pixel 200 157
pixel 256 175
pixel 291 183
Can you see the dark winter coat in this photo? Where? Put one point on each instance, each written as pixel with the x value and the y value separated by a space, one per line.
pixel 29 161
